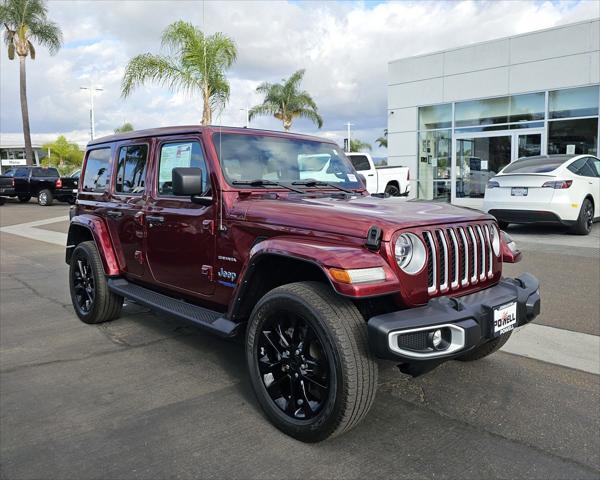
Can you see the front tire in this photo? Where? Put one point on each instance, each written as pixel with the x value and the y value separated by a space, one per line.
pixel 92 300
pixel 309 361
pixel 583 224
pixel 45 198
pixel 486 349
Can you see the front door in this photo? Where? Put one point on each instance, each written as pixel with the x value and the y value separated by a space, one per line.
pixel 180 244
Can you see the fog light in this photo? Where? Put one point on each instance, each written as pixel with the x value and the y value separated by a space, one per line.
pixel 439 339
pixel 436 339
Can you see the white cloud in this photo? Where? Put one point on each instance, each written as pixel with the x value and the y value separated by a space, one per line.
pixel 345 48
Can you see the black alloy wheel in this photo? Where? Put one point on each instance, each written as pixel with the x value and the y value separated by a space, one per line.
pixel 83 285
pixel 585 220
pixel 293 365
pixel 589 215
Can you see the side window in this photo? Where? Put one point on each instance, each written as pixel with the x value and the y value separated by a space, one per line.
pixel 131 169
pixel 96 175
pixel 576 166
pixel 593 165
pixel 44 172
pixel 360 162
pixel 22 173
pixel 179 154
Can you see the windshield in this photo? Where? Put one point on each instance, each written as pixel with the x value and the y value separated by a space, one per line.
pixel 245 158
pixel 536 164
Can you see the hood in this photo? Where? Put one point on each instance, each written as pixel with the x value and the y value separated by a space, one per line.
pixel 351 216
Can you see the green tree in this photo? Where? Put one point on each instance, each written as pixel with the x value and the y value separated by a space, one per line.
pixel 382 141
pixel 126 127
pixel 64 155
pixel 285 101
pixel 195 63
pixel 357 146
pixel 25 22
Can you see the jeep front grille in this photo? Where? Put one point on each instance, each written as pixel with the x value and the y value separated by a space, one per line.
pixel 458 257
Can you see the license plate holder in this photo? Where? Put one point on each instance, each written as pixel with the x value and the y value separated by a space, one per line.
pixel 519 191
pixel 504 319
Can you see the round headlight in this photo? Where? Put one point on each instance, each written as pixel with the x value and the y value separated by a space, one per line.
pixel 495 238
pixel 410 253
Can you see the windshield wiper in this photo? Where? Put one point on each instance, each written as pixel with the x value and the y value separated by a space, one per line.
pixel 265 183
pixel 317 183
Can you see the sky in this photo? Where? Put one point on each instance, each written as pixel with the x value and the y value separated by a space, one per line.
pixel 344 46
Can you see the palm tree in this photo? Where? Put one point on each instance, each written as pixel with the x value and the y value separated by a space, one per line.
pixel 126 127
pixel 25 22
pixel 285 101
pixel 195 63
pixel 382 141
pixel 358 146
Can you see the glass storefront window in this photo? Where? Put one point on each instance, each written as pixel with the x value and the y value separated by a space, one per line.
pixel 573 102
pixel 478 160
pixel 524 108
pixel 489 111
pixel 435 116
pixel 435 158
pixel 573 136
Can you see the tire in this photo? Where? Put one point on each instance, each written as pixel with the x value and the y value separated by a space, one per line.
pixel 583 224
pixel 24 198
pixel 337 353
pixel 392 190
pixel 503 225
pixel 45 198
pixel 104 305
pixel 486 349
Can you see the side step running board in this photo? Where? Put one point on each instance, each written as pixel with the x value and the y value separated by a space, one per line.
pixel 203 317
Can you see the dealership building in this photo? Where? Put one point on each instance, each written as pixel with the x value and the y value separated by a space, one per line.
pixel 458 116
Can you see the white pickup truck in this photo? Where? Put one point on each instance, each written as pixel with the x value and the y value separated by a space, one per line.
pixel 391 180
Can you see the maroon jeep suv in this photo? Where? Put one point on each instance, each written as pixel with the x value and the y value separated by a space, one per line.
pixel 273 236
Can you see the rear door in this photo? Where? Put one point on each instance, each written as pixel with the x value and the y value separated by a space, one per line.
pixel 21 179
pixel 181 236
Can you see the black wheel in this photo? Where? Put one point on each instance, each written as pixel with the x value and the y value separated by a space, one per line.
pixel 309 361
pixel 24 198
pixel 392 190
pixel 486 349
pixel 503 225
pixel 92 300
pixel 583 225
pixel 2 200
pixel 45 198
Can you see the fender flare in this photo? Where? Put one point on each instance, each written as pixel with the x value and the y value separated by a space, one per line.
pixel 323 255
pixel 99 231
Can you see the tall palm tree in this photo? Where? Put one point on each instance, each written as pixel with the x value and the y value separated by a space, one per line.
pixel 25 22
pixel 285 101
pixel 195 63
pixel 357 145
pixel 382 141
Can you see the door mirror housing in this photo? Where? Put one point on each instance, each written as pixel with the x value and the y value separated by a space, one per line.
pixel 187 181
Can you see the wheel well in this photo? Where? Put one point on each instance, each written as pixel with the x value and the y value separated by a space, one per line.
pixel 77 234
pixel 591 199
pixel 268 272
pixel 394 183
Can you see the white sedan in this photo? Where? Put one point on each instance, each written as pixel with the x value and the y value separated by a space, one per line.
pixel 554 188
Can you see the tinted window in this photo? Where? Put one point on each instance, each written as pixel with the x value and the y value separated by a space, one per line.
pixel 131 170
pixel 97 167
pixel 578 137
pixel 536 164
pixel 583 167
pixel 360 162
pixel 435 116
pixel 179 154
pixel 22 172
pixel 573 102
pixel 10 173
pixel 595 164
pixel 44 172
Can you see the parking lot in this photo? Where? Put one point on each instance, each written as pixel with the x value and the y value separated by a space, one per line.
pixel 148 397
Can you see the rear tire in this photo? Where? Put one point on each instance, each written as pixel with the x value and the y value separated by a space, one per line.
pixel 92 300
pixel 392 190
pixel 307 326
pixel 486 349
pixel 45 198
pixel 24 198
pixel 583 224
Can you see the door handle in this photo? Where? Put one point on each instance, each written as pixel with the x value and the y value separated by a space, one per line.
pixel 371 175
pixel 154 219
pixel 114 213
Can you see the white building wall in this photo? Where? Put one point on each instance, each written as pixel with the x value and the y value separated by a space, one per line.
pixel 565 56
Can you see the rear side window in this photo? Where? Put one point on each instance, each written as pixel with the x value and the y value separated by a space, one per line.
pixel 595 164
pixel 584 167
pixel 577 166
pixel 95 178
pixel 45 172
pixel 360 162
pixel 535 165
pixel 22 172
pixel 131 170
pixel 179 154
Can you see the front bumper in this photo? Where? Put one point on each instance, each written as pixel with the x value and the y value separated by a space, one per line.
pixel 470 316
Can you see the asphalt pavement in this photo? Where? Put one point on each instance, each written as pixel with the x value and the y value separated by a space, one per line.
pixel 148 397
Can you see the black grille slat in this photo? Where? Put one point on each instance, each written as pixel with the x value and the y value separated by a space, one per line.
pixel 429 262
pixel 440 242
pixel 452 255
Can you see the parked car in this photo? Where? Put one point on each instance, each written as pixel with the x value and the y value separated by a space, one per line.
pixel 216 226
pixel 561 189
pixel 394 181
pixel 43 183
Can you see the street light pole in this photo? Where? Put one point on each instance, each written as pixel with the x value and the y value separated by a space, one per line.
pixel 247 115
pixel 349 125
pixel 92 89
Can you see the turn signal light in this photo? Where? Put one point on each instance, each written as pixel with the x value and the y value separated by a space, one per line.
pixel 558 185
pixel 357 275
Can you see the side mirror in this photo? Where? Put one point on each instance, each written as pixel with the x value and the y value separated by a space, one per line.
pixel 187 181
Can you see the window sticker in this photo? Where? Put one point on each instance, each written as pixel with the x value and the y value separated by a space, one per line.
pixel 174 156
pixel 352 177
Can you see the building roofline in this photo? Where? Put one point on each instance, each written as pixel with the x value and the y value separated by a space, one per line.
pixel 498 39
